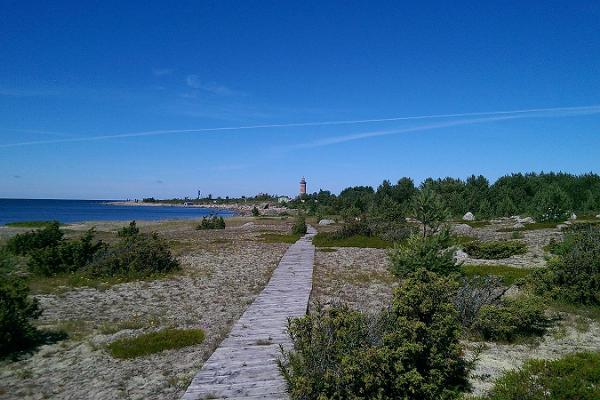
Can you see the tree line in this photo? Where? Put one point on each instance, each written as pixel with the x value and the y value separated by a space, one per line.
pixel 545 196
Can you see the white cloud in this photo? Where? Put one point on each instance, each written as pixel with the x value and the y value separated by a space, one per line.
pixel 194 82
pixel 161 71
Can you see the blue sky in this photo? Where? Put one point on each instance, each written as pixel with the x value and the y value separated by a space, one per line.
pixel 96 97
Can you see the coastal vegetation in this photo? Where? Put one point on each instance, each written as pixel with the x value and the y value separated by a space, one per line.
pixel 493 250
pixel 154 342
pixel 212 222
pixel 574 376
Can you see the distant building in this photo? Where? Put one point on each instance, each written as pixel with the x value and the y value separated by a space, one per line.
pixel 302 186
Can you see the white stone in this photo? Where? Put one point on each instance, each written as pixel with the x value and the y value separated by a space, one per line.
pixel 573 216
pixel 526 220
pixel 518 225
pixel 460 255
pixel 468 217
pixel 598 216
pixel 326 222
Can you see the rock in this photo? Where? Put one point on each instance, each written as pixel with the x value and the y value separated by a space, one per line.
pixel 561 226
pixel 247 225
pixel 518 225
pixel 598 216
pixel 526 220
pixel 462 229
pixel 326 222
pixel 573 216
pixel 468 217
pixel 460 255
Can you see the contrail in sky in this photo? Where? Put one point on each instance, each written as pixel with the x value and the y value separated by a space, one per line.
pixel 548 112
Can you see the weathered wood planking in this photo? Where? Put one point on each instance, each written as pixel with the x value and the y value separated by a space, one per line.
pixel 244 366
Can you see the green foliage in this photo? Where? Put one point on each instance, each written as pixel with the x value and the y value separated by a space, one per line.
pixel 134 256
pixel 213 222
pixel 330 239
pixel 508 275
pixel 575 376
pixel 428 208
pixel 255 212
pixel 433 252
pixel 24 243
pixel 64 256
pixel 512 318
pixel 130 230
pixel 279 238
pixel 410 351
pixel 17 312
pixel 299 227
pixel 574 274
pixel 551 204
pixel 155 342
pixel 494 250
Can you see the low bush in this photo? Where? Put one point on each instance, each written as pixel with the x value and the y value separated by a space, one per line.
pixel 30 224
pixel 255 212
pixel 213 222
pixel 508 275
pixel 155 342
pixel 299 227
pixel 25 243
pixel 574 274
pixel 494 250
pixel 17 312
pixel 129 230
pixel 575 376
pixel 409 351
pixel 512 318
pixel 65 256
pixel 134 256
pixel 433 252
pixel 474 293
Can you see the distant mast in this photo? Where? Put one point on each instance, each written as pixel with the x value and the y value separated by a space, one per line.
pixel 302 186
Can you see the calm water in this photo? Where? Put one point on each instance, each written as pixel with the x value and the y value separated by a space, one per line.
pixel 15 210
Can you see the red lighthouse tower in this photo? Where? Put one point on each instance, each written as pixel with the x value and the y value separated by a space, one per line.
pixel 302 186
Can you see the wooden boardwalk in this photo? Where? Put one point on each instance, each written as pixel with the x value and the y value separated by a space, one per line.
pixel 244 366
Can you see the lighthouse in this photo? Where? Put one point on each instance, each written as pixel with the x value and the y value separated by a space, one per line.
pixel 302 186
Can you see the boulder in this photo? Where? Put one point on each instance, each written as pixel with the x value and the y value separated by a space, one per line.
pixel 562 226
pixel 326 222
pixel 462 229
pixel 460 255
pixel 247 225
pixel 526 220
pixel 573 216
pixel 518 225
pixel 468 217
pixel 598 216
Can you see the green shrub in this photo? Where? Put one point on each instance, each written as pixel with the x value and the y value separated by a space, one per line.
pixel 17 312
pixel 299 227
pixel 24 243
pixel 574 274
pixel 130 230
pixel 29 224
pixel 410 351
pixel 551 204
pixel 134 256
pixel 255 212
pixel 155 342
pixel 509 275
pixel 512 318
pixel 494 250
pixel 432 252
pixel 213 222
pixel 65 256
pixel 573 377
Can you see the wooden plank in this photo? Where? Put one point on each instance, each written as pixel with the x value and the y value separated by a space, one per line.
pixel 244 366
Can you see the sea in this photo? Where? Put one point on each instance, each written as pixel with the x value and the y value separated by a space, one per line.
pixel 71 211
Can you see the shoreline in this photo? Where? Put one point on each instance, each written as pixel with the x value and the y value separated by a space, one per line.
pixel 238 209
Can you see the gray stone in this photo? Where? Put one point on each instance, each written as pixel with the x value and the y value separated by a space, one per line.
pixel 518 225
pixel 326 222
pixel 460 255
pixel 462 229
pixel 598 216
pixel 573 216
pixel 468 217
pixel 526 220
